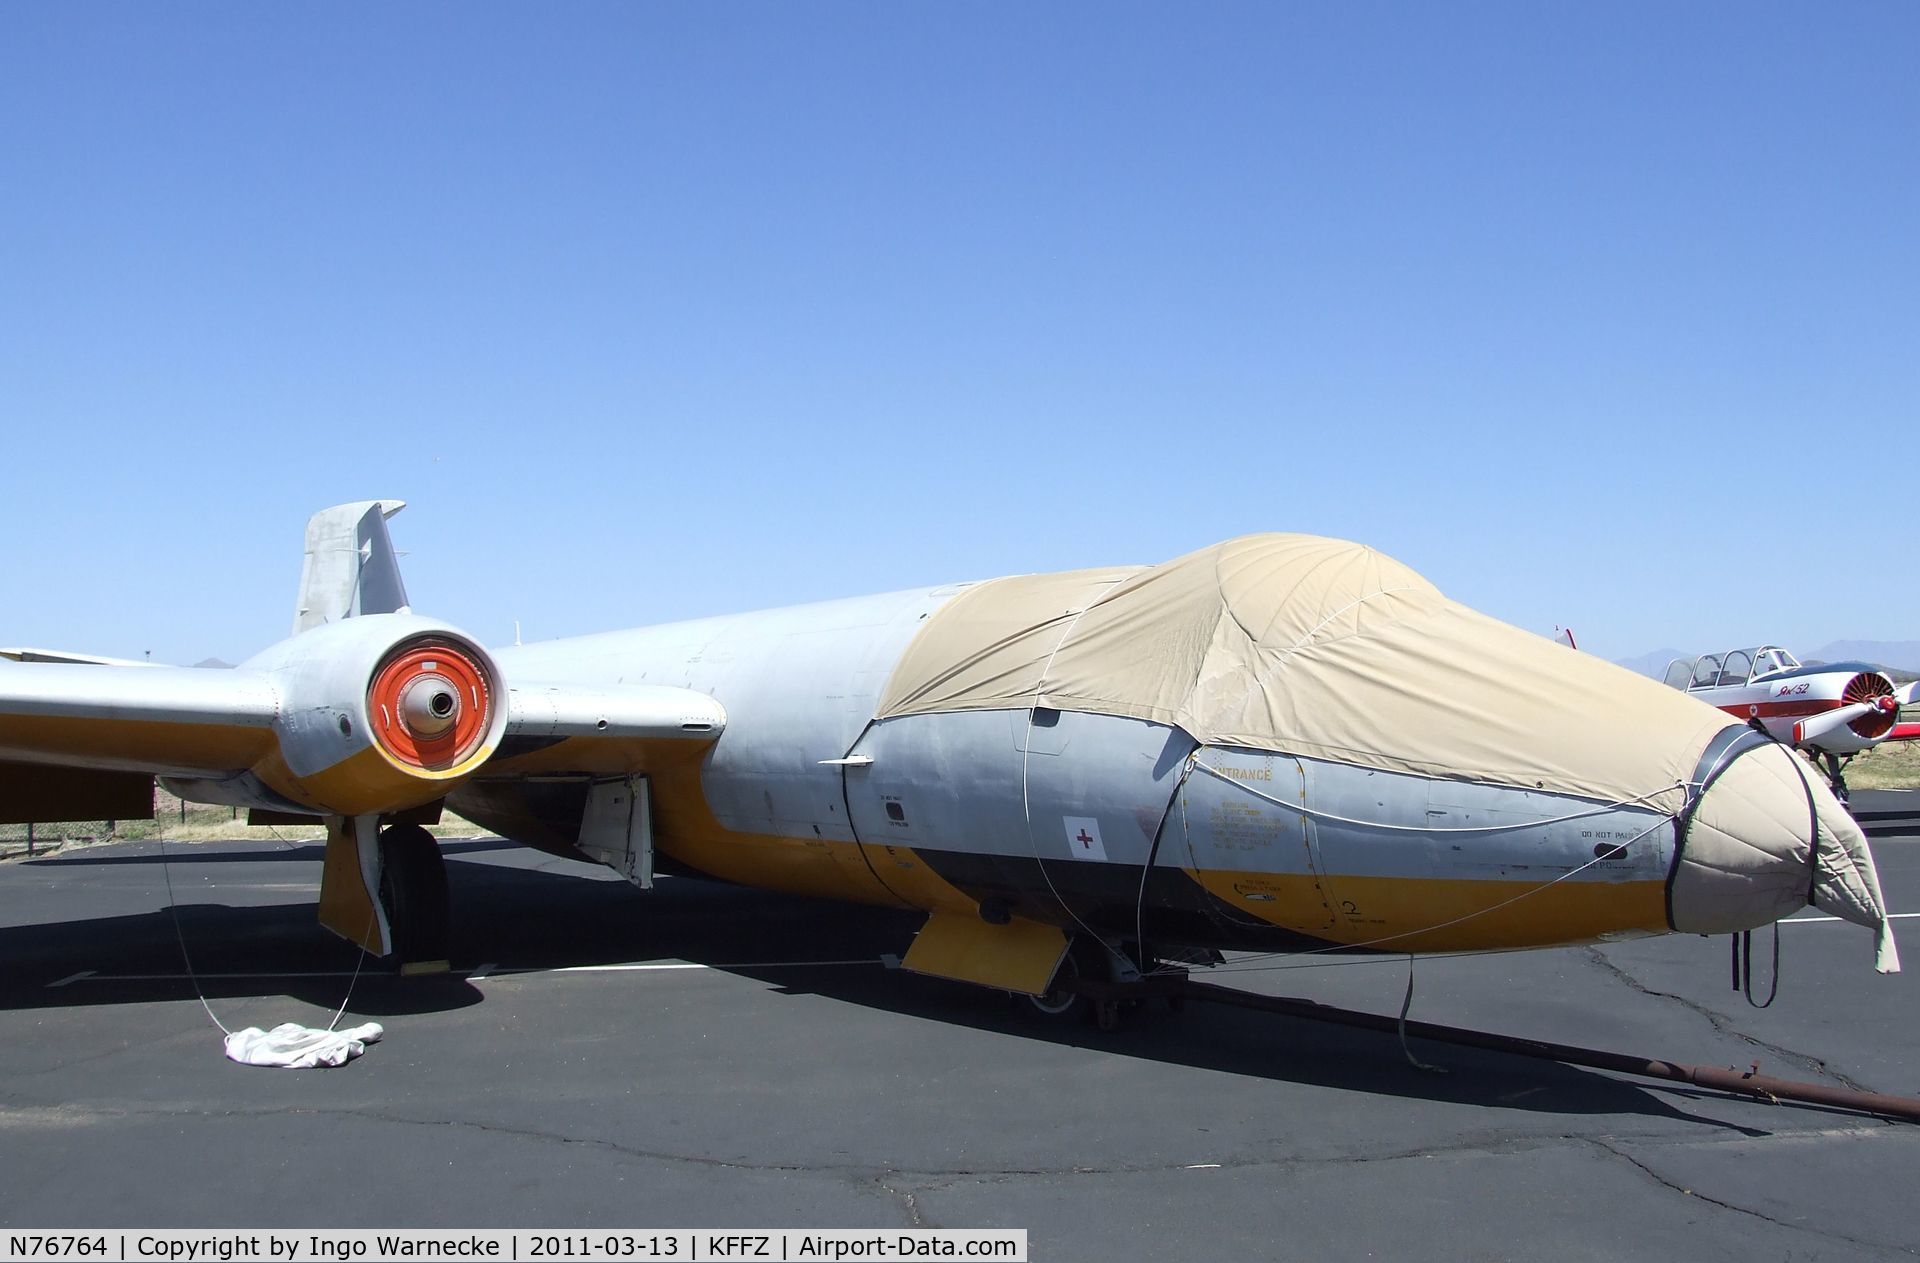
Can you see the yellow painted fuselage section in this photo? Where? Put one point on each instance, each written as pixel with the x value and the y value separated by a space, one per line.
pixel 1410 913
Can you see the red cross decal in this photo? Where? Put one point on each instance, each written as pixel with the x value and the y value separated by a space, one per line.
pixel 1085 838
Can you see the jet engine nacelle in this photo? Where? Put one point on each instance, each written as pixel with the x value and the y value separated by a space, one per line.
pixel 380 713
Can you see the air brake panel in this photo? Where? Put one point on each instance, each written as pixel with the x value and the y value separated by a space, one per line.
pixel 617 827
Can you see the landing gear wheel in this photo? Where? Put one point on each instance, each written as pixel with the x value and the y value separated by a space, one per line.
pixel 1060 998
pixel 1836 779
pixel 413 893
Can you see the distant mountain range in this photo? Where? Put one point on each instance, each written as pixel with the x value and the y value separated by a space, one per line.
pixel 1654 662
pixel 1899 655
pixel 1902 655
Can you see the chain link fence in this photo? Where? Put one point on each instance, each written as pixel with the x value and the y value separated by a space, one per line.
pixel 31 839
pixel 172 819
pixel 178 821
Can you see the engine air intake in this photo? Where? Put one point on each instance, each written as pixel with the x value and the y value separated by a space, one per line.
pixel 431 702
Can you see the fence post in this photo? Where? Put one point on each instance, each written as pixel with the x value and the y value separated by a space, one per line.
pixel 29 839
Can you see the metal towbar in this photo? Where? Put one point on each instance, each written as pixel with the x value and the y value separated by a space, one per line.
pixel 1752 1084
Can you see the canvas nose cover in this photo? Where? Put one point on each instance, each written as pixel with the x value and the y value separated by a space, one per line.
pixel 1762 836
pixel 1330 651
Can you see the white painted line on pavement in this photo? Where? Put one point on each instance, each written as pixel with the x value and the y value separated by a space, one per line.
pixel 621 969
pixel 93 976
pixel 656 966
pixel 1891 916
pixel 481 973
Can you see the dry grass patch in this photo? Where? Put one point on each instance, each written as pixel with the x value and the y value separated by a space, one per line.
pixel 175 821
pixel 1892 765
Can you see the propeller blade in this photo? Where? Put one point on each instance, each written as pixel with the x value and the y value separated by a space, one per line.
pixel 1814 727
pixel 1906 694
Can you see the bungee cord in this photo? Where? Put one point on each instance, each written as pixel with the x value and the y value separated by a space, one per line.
pixel 1317 814
pixel 1246 965
pixel 186 957
pixel 1026 756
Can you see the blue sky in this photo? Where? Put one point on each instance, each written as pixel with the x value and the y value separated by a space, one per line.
pixel 1596 314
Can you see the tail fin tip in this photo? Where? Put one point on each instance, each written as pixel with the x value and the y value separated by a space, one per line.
pixel 350 567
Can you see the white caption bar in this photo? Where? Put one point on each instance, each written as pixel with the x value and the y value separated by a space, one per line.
pixel 565 1245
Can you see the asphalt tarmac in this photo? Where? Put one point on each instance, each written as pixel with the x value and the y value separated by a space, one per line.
pixel 708 1056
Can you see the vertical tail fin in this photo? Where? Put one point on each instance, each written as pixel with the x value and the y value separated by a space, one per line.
pixel 350 565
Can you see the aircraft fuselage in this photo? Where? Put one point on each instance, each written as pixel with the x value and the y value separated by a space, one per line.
pixel 1122 826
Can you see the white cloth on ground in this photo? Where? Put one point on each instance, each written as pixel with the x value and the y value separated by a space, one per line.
pixel 291 1046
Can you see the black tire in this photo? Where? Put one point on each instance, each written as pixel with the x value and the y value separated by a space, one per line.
pixel 413 892
pixel 1061 1000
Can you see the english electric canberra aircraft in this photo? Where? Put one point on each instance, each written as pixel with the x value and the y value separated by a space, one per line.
pixel 1834 710
pixel 1278 743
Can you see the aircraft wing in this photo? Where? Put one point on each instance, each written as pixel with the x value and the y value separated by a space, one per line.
pixel 339 722
pixel 158 720
pixel 367 713
pixel 630 711
pixel 366 709
pixel 194 722
pixel 23 654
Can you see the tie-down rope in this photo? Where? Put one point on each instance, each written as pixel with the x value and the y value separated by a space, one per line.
pixel 288 1044
pixel 1612 853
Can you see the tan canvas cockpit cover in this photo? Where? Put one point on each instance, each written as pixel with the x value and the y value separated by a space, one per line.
pixel 1309 646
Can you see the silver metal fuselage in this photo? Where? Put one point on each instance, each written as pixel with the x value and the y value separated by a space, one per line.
pixel 981 809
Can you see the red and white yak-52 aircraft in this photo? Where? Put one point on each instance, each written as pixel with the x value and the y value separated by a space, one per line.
pixel 1832 709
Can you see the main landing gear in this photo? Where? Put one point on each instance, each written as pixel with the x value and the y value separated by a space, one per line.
pixel 1834 778
pixel 1089 973
pixel 413 893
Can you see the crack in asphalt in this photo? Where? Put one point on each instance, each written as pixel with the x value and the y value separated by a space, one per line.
pixel 1494 1145
pixel 1724 1024
pixel 143 1047
pixel 910 1199
pixel 896 1182
pixel 54 1116
pixel 1676 1187
pixel 899 1183
pixel 1490 1145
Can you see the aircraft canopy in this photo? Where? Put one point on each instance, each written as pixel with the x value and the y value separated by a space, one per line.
pixel 1309 646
